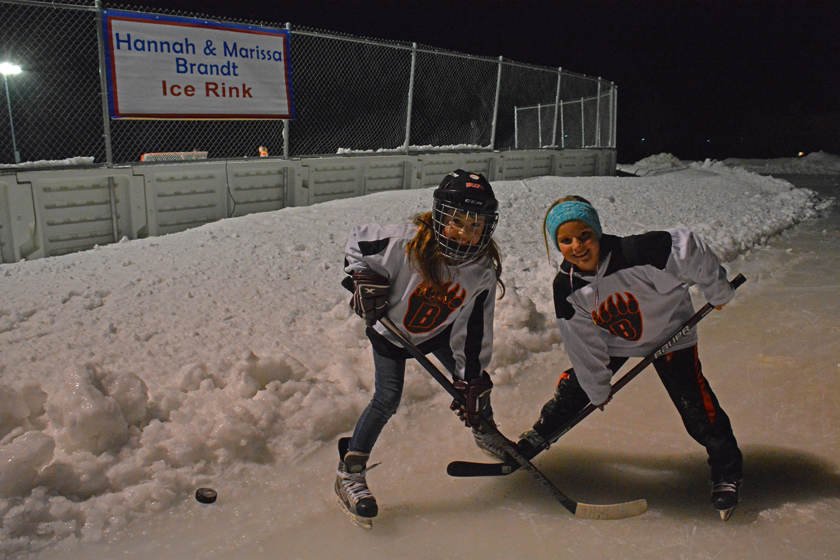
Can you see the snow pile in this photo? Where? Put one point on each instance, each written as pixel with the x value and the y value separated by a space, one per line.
pixel 133 373
pixel 653 165
pixel 48 163
pixel 424 148
pixel 815 163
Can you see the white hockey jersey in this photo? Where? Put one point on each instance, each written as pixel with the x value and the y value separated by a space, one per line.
pixel 638 297
pixel 464 319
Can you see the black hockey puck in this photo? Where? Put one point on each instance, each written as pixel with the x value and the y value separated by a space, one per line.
pixel 205 495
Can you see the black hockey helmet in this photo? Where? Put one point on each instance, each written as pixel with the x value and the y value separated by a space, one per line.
pixel 464 209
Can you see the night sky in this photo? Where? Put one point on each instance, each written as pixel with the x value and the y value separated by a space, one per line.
pixel 698 79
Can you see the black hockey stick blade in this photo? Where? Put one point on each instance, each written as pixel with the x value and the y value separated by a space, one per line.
pixel 466 469
pixel 470 469
pixel 584 511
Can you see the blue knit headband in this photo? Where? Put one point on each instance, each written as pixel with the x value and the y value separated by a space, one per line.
pixel 569 211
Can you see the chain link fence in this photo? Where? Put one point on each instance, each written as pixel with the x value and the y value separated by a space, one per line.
pixel 55 102
pixel 583 123
pixel 352 94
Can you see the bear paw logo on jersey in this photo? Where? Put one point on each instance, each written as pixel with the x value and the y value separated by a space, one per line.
pixel 424 314
pixel 619 316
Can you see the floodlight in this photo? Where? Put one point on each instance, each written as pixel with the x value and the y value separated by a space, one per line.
pixel 9 69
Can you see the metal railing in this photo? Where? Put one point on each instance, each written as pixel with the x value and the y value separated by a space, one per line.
pixel 352 94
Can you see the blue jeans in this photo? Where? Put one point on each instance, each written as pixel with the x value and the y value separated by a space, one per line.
pixel 388 387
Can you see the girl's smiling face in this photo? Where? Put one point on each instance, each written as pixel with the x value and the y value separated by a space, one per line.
pixel 464 229
pixel 579 244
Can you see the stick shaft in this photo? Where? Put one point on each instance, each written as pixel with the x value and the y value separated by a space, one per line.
pixel 488 426
pixel 585 511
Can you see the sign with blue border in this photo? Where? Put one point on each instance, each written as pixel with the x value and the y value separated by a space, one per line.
pixel 166 67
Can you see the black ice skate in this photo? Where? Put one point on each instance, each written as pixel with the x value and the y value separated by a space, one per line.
pixel 530 441
pixel 725 497
pixel 352 490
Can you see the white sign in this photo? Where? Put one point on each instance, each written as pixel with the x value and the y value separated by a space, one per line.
pixel 164 67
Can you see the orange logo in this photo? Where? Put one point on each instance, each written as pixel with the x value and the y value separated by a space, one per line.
pixel 620 317
pixel 424 314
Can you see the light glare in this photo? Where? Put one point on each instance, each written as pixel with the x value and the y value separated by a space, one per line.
pixel 9 69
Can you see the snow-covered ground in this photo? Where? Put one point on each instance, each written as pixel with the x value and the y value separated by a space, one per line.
pixel 226 356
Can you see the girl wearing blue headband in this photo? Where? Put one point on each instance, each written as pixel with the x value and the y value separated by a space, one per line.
pixel 574 227
pixel 619 297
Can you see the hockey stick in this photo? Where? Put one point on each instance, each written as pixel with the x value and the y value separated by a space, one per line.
pixel 584 511
pixel 468 468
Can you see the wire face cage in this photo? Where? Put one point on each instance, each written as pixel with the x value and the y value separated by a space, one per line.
pixel 462 234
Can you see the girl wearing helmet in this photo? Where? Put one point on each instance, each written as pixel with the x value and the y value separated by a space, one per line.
pixel 436 279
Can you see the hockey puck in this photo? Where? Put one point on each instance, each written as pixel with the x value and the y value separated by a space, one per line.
pixel 205 495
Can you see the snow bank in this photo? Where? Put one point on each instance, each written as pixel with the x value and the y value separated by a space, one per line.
pixel 653 165
pixel 424 148
pixel 816 163
pixel 48 163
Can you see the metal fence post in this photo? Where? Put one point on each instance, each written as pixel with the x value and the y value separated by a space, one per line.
pixel 614 114
pixel 286 121
pixel 556 108
pixel 515 127
pixel 410 98
pixel 285 138
pixel 582 126
pixel 598 117
pixel 496 106
pixel 288 172
pixel 106 121
pixel 103 86
pixel 11 123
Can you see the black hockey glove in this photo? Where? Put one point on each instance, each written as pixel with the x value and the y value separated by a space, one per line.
pixel 370 296
pixel 477 394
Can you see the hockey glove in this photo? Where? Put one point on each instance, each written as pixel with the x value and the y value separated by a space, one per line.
pixel 370 296
pixel 477 395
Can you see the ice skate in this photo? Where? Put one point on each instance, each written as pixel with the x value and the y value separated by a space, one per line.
pixel 725 497
pixel 529 441
pixel 488 445
pixel 354 496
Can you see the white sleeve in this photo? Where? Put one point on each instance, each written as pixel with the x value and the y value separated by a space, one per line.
pixel 693 262
pixel 587 350
pixel 368 248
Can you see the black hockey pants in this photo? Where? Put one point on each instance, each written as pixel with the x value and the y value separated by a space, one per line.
pixel 682 376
